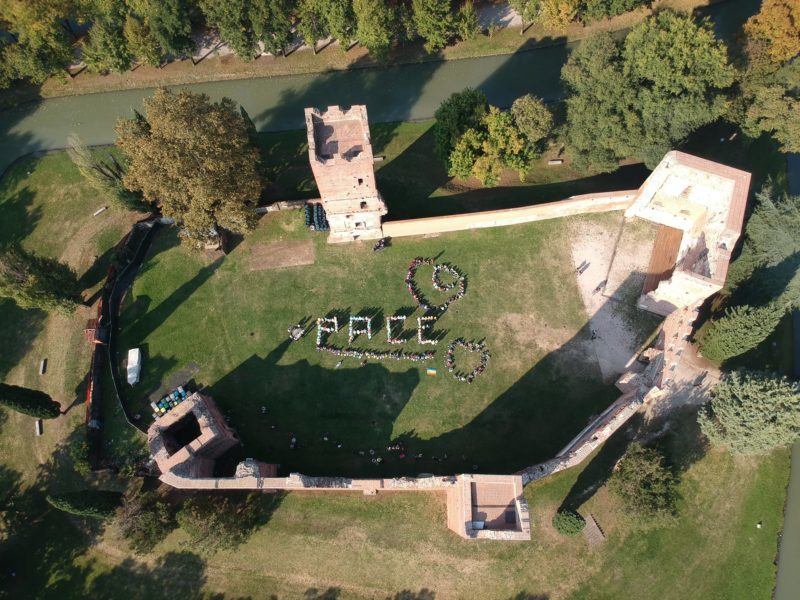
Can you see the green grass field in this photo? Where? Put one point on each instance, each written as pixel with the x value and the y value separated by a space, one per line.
pixel 228 323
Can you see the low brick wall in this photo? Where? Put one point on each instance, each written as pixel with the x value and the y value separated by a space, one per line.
pixel 575 205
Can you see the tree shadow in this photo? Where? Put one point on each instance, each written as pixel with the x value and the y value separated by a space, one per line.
pixel 423 594
pixel 769 282
pixel 151 320
pixel 17 208
pixel 332 593
pixel 19 328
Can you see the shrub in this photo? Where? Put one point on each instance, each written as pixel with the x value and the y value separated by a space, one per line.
pixel 214 522
pixel 568 522
pixel 143 520
pixel 461 111
pixel 29 402
pixel 644 483
pixel 752 412
pixel 87 503
pixel 742 328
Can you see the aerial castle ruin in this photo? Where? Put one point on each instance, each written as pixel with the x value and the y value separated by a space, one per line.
pixel 699 206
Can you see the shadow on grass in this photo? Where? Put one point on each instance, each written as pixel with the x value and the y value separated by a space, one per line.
pixel 356 407
pixel 19 218
pixel 18 329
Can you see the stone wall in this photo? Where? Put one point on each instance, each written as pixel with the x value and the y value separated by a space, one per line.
pixel 575 205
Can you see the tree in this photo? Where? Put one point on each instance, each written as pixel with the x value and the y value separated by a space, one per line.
pixel 486 152
pixel 95 504
pixel 232 19
pixel 568 523
pixel 142 44
pixel 36 282
pixel 144 520
pixel 600 115
pixel 645 96
pixel 466 22
pixel 195 158
pixel 461 111
pixel 777 26
pixel 773 109
pixel 644 483
pixel 168 22
pixel 594 10
pixel 741 329
pixel 107 49
pixel 532 118
pixel 40 45
pixel 556 15
pixel 752 412
pixel 527 10
pixel 677 70
pixel 216 523
pixel 374 26
pixel 104 174
pixel 312 25
pixel 433 22
pixel 272 24
pixel 29 402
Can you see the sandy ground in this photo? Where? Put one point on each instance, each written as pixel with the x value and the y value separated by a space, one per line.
pixel 597 241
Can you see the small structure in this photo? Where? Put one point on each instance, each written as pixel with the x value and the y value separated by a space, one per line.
pixel 340 152
pixel 134 365
pixel 190 437
pixel 488 507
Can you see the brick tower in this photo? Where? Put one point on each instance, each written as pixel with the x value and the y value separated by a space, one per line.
pixel 340 153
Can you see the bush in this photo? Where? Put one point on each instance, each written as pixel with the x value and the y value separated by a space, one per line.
pixel 213 522
pixel 752 412
pixel 87 503
pixel 79 454
pixel 569 523
pixel 29 402
pixel 461 111
pixel 644 483
pixel 144 520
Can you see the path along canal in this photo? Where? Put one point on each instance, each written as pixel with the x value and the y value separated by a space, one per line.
pixel 398 93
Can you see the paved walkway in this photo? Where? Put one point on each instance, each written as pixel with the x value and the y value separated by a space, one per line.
pixel 397 93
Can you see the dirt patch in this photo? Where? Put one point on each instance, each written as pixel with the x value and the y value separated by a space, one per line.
pixel 279 255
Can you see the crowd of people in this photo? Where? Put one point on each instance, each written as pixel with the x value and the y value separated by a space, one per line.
pixel 450 359
pixel 424 323
pixel 419 298
pixel 354 332
pixel 366 353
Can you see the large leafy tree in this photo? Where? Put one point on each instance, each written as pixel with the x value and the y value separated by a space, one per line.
pixel 777 26
pixel 600 115
pixel 375 27
pixel 461 111
pixel 37 282
pixel 488 151
pixel 532 118
pixel 96 504
pixel 142 44
pixel 433 22
pixel 40 44
pixel 644 482
pixel 678 69
pixel 752 412
pixel 642 98
pixel 215 523
pixel 29 402
pixel 466 21
pixel 195 158
pixel 556 15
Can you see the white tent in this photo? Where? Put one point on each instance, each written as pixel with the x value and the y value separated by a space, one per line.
pixel 134 365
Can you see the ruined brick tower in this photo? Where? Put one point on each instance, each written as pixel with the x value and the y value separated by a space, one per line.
pixel 340 152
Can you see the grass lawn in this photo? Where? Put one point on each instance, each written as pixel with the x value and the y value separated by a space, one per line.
pixel 228 324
